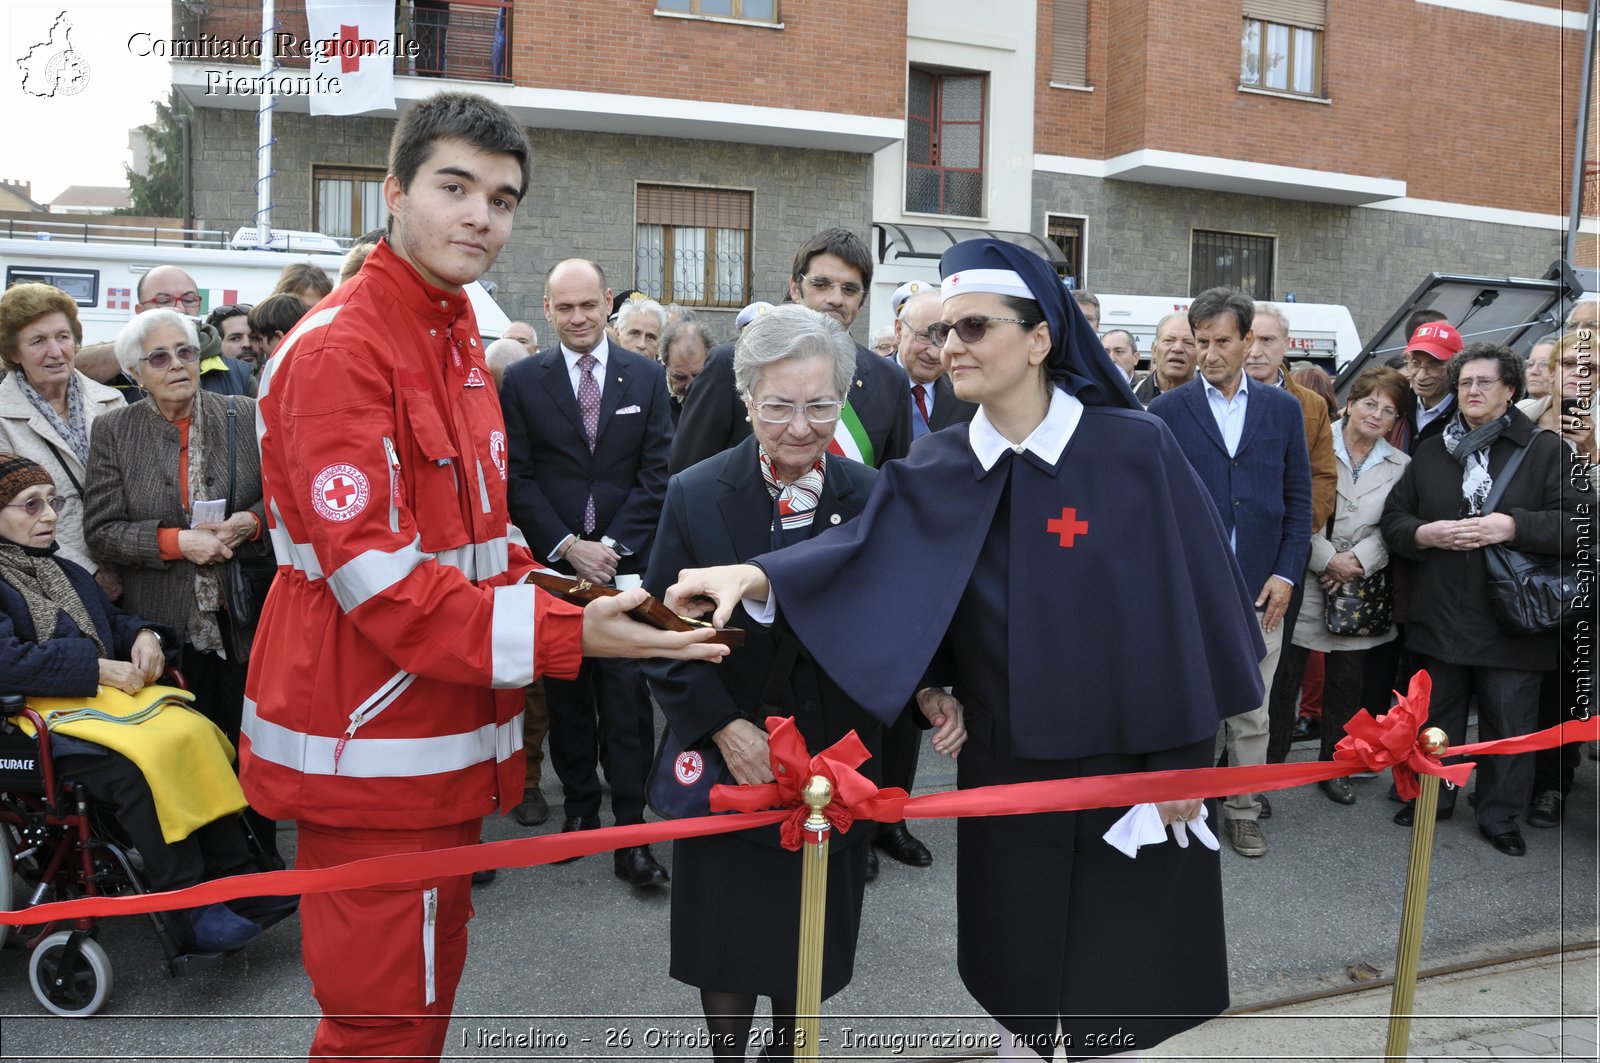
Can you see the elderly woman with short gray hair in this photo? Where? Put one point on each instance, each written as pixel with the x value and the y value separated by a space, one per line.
pixel 793 367
pixel 151 466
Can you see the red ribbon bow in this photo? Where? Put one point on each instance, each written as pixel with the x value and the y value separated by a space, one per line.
pixel 854 795
pixel 1390 741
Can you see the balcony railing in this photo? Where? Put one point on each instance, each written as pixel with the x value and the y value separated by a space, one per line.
pixel 465 39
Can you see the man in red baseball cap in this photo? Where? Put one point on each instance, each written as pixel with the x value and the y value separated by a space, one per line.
pixel 1432 346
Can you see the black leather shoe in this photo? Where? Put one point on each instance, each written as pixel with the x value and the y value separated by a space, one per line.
pixel 1339 791
pixel 1266 806
pixel 591 822
pixel 1510 842
pixel 637 867
pixel 872 863
pixel 484 877
pixel 1306 728
pixel 533 810
pixel 897 841
pixel 1546 810
pixel 1407 814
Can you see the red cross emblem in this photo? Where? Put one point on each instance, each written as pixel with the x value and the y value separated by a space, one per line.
pixel 349 47
pixel 1068 526
pixel 339 492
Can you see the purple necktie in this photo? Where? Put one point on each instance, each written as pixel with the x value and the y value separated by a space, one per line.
pixel 589 406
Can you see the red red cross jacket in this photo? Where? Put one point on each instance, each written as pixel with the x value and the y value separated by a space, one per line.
pixel 396 608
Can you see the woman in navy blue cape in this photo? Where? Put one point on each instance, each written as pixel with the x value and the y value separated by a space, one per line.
pixel 1060 566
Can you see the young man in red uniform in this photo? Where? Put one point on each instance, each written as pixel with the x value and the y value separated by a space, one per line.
pixel 383 708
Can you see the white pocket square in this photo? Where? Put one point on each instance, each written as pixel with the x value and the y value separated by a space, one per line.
pixel 627 409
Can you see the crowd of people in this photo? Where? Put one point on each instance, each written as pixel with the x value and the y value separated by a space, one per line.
pixel 1311 554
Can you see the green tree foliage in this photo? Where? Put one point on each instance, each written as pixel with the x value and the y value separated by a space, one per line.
pixel 160 194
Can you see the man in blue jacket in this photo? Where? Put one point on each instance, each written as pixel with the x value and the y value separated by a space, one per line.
pixel 1246 441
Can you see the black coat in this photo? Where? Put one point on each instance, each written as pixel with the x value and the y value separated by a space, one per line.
pixel 947 409
pixel 1449 615
pixel 714 417
pixel 720 513
pixel 68 665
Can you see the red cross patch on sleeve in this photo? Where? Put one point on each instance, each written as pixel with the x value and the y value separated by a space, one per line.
pixel 339 492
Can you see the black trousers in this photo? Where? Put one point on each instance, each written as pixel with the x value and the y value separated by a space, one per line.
pixel 1341 694
pixel 1507 705
pixel 217 684
pixel 612 693
pixel 902 743
pixel 1558 702
pixel 117 785
pixel 1281 714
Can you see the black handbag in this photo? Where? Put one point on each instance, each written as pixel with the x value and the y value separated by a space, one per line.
pixel 1363 606
pixel 251 571
pixel 1529 594
pixel 681 779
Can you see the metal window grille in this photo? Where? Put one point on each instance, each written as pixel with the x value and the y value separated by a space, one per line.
pixel 1067 234
pixel 346 201
pixel 944 142
pixel 1235 260
pixel 692 245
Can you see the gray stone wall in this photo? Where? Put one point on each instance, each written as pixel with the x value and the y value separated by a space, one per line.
pixel 1137 242
pixel 579 204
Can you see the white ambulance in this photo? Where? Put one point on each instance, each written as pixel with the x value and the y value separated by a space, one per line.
pixel 100 267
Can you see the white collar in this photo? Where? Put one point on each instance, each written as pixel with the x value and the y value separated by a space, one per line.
pixel 600 352
pixel 1210 389
pixel 1046 441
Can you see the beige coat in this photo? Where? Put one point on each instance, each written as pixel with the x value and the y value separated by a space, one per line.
pixel 24 430
pixel 1358 505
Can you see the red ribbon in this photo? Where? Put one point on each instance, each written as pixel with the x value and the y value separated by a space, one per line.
pixel 854 795
pixel 1372 744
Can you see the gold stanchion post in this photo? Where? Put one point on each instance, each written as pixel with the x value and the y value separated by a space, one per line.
pixel 1434 742
pixel 817 792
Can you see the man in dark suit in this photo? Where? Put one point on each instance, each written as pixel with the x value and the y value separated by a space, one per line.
pixel 1246 441
pixel 588 430
pixel 933 401
pixel 831 274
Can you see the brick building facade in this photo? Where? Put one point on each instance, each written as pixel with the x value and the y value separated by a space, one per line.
pixel 1345 149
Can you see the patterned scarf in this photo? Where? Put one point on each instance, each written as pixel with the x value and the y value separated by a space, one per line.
pixel 37 576
pixel 73 429
pixel 202 631
pixel 1470 448
pixel 796 502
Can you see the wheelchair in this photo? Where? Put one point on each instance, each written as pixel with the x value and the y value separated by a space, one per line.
pixel 55 845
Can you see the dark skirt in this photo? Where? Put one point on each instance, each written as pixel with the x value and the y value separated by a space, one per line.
pixel 736 914
pixel 1056 925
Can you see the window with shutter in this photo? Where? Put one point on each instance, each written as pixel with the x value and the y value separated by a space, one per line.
pixel 1069 62
pixel 692 245
pixel 1281 46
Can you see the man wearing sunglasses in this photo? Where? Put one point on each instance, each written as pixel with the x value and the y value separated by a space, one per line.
pixel 832 272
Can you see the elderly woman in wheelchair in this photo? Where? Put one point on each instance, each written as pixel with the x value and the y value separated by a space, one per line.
pixel 88 668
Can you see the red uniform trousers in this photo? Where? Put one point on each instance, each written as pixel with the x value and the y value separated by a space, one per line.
pixel 384 962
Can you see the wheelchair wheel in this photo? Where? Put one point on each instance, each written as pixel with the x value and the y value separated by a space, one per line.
pixel 74 993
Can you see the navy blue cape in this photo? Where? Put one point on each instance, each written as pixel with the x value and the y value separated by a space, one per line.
pixel 1139 636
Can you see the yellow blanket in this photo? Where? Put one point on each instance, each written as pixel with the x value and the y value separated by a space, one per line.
pixel 185 758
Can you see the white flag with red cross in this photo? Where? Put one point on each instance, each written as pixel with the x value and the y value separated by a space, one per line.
pixel 353 42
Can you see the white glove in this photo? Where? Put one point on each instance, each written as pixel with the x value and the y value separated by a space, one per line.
pixel 1142 826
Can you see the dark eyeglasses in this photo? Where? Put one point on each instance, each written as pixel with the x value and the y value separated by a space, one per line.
pixel 35 506
pixel 161 358
pixel 971 329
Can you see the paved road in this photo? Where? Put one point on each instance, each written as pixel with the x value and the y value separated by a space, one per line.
pixel 565 953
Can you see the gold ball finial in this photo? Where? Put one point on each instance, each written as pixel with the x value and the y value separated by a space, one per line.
pixel 1434 741
pixel 817 794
